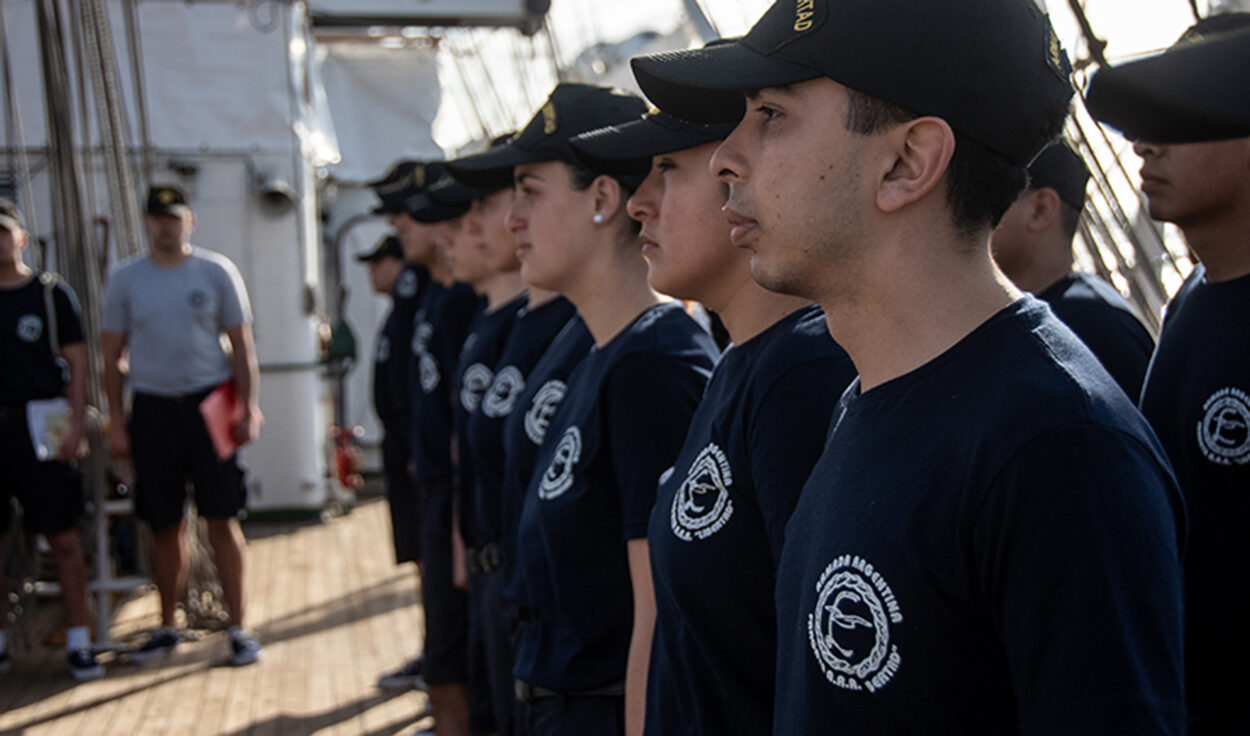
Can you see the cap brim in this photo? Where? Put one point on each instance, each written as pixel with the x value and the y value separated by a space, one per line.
pixel 1186 95
pixel 491 169
pixel 706 85
pixel 428 211
pixel 9 223
pixel 455 193
pixel 628 149
pixel 173 209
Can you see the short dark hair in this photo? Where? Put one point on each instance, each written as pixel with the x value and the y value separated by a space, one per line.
pixel 1069 219
pixel 981 185
pixel 581 177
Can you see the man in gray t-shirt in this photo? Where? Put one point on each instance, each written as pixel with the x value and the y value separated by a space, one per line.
pixel 169 310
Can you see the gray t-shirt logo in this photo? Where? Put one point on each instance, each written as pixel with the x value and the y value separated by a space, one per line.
pixel 197 299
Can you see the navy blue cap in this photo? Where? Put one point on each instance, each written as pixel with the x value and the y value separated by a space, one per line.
pixel 627 149
pixel 166 199
pixel 405 180
pixel 569 110
pixel 388 247
pixel 1062 169
pixel 992 69
pixel 1195 91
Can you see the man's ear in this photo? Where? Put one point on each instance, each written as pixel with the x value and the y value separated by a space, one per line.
pixel 921 151
pixel 1044 209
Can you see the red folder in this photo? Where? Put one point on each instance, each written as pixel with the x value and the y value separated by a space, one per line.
pixel 221 409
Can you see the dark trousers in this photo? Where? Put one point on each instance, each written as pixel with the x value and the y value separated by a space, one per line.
pixel 575 715
pixel 446 608
pixel 495 643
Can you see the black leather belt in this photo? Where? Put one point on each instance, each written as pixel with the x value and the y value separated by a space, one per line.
pixel 527 693
pixel 485 560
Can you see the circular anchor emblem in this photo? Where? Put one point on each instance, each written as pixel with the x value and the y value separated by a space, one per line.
pixel 559 475
pixel 1224 432
pixel 702 506
pixel 849 628
pixel 544 405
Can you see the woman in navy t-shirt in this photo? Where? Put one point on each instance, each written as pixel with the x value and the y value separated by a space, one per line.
pixel 582 549
pixel 716 529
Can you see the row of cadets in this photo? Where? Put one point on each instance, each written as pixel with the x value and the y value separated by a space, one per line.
pixel 716 530
pixel 583 589
pixel 441 326
pixel 1188 114
pixel 990 540
pixel 483 257
pixel 400 266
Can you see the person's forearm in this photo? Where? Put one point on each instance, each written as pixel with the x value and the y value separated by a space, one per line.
pixel 246 378
pixel 76 392
pixel 112 380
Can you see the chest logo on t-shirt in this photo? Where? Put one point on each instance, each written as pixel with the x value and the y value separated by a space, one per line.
pixel 427 367
pixel 702 506
pixel 546 401
pixel 384 349
pixel 503 391
pixel 474 383
pixel 197 299
pixel 406 287
pixel 29 327
pixel 1224 432
pixel 849 628
pixel 559 475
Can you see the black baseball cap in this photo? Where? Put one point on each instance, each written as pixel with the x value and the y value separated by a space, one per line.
pixel 165 199
pixel 10 216
pixel 388 247
pixel 993 69
pixel 624 150
pixel 404 180
pixel 569 110
pixel 446 200
pixel 1195 91
pixel 1060 168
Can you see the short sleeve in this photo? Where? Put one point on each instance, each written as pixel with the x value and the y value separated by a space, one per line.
pixel 1077 553
pixel 68 314
pixel 236 308
pixel 1120 343
pixel 787 434
pixel 648 405
pixel 115 309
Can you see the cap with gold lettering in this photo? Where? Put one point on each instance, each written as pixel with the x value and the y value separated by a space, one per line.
pixel 164 199
pixel 993 69
pixel 571 109
pixel 405 180
pixel 1195 91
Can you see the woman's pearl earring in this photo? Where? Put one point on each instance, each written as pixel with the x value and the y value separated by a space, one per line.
pixel 597 219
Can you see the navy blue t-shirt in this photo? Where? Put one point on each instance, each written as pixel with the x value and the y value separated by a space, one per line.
pixel 1197 398
pixel 29 370
pixel 989 544
pixel 619 427
pixel 474 374
pixel 532 333
pixel 439 330
pixel 1106 323
pixel 524 432
pixel 392 399
pixel 718 523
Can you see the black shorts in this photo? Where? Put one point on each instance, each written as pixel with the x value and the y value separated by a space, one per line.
pixel 170 445
pixel 401 491
pixel 446 607
pixel 50 493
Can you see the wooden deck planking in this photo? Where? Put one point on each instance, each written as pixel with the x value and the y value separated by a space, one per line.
pixel 332 610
